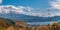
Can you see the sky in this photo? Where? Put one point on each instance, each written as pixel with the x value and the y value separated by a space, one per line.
pixel 31 7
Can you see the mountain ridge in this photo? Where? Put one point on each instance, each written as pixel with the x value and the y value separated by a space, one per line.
pixel 28 18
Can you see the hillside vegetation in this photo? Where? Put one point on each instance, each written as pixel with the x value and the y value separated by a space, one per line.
pixel 9 24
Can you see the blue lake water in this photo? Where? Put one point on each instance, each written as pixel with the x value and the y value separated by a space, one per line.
pixel 41 23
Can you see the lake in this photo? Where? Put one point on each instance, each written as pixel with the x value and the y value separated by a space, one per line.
pixel 41 23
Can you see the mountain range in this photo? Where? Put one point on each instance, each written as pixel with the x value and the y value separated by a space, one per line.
pixel 28 18
pixel 21 13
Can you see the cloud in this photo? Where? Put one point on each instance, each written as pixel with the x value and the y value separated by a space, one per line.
pixel 8 9
pixel 0 1
pixel 55 7
pixel 55 4
pixel 11 9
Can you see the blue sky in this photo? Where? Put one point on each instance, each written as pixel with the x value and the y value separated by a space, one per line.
pixel 31 3
pixel 42 5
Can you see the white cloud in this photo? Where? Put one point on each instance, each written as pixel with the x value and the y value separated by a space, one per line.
pixel 11 9
pixel 19 10
pixel 24 10
pixel 55 4
pixel 0 1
